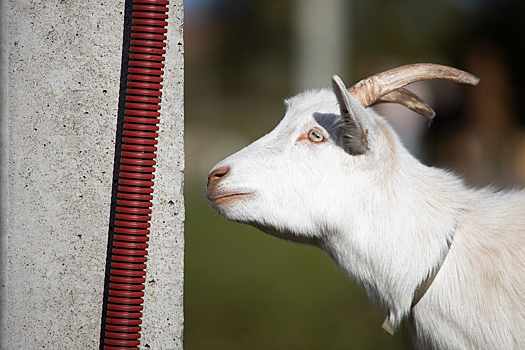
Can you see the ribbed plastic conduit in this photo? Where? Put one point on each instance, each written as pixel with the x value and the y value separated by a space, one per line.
pixel 136 174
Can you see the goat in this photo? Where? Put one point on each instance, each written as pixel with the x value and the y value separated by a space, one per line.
pixel 447 259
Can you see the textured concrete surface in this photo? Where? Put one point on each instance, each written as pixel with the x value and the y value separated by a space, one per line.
pixel 60 89
pixel 163 314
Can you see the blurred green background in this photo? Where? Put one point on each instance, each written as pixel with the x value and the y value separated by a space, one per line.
pixel 247 290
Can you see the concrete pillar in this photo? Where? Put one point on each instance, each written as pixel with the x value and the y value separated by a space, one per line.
pixel 60 86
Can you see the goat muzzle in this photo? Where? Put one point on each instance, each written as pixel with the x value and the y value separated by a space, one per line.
pixel 216 175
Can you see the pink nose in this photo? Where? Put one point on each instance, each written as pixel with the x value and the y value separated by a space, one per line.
pixel 217 174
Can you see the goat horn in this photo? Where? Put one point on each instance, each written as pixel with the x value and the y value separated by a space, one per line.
pixel 369 90
pixel 409 100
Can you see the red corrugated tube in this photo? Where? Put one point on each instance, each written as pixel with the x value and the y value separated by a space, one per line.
pixel 136 174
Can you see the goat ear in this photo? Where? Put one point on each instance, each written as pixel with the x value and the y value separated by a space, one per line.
pixel 353 134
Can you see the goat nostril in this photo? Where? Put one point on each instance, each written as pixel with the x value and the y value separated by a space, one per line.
pixel 217 174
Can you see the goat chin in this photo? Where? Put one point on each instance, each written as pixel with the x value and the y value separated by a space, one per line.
pixel 335 175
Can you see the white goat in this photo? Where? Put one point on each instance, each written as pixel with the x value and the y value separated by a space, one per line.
pixel 447 258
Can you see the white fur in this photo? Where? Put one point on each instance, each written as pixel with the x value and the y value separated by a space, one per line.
pixel 385 220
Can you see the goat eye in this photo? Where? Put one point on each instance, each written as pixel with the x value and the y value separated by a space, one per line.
pixel 315 135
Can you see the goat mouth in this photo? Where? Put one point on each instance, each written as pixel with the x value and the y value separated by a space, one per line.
pixel 226 197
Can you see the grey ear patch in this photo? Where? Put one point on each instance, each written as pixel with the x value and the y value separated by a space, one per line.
pixel 354 138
